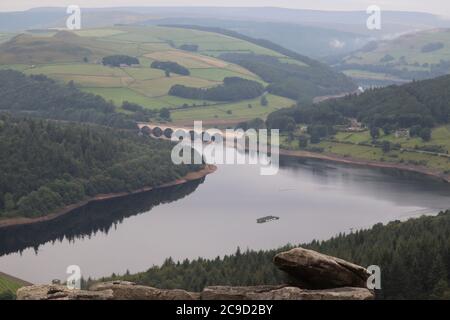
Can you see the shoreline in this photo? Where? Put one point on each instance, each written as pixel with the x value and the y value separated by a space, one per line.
pixel 366 163
pixel 191 176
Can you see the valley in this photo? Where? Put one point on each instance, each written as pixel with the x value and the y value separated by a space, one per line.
pixel 97 185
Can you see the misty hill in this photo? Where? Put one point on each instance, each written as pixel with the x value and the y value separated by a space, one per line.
pixel 419 55
pixel 292 36
pixel 394 22
pixel 302 80
pixel 27 49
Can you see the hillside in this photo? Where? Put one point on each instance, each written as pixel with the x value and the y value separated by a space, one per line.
pixel 293 36
pixel 9 286
pixel 48 165
pixel 42 97
pixel 405 126
pixel 77 57
pixel 423 103
pixel 420 55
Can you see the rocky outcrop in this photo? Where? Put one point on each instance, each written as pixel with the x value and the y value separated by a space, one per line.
pixel 123 290
pixel 312 270
pixel 315 277
pixel 283 293
pixel 59 292
pixel 131 291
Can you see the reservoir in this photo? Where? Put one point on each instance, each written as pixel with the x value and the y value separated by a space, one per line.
pixel 212 217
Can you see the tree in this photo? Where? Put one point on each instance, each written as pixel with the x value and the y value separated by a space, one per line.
pixel 375 132
pixel 117 60
pixel 164 113
pixel 7 295
pixel 9 202
pixel 315 138
pixel 387 129
pixel 167 72
pixel 425 134
pixel 386 146
pixel 303 141
pixel 170 66
pixel 283 123
pixel 264 101
pixel 232 89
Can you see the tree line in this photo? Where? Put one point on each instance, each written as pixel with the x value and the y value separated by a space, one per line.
pixel 416 105
pixel 232 89
pixel 119 59
pixel 295 81
pixel 169 66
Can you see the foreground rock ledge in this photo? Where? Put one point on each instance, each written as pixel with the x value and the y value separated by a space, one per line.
pixel 315 276
pixel 129 291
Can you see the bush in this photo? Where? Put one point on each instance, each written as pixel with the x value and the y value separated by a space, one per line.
pixel 7 295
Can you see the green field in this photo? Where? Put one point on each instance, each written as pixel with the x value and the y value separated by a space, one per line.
pixel 360 74
pixel 234 111
pixel 347 145
pixel 77 56
pixel 4 37
pixel 439 136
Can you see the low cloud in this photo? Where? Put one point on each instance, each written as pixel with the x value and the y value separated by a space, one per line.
pixel 337 44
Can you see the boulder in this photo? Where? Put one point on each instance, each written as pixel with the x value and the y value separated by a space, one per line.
pixel 284 293
pixel 124 290
pixel 312 270
pixel 59 292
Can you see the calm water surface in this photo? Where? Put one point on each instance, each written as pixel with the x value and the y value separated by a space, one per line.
pixel 314 200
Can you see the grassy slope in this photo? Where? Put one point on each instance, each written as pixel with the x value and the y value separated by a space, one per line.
pixel 239 110
pixel 8 283
pixel 142 85
pixel 407 46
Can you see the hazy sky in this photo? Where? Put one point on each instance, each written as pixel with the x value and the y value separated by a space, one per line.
pixel 441 7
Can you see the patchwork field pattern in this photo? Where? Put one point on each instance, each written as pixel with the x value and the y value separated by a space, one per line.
pixel 77 56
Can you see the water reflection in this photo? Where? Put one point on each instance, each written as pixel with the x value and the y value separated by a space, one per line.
pixel 314 200
pixel 87 221
pixel 404 188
